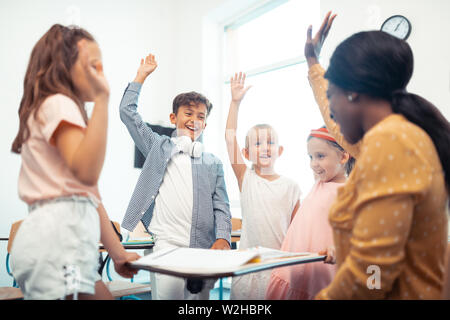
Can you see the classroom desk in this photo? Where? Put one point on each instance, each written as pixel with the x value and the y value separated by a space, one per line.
pixel 132 246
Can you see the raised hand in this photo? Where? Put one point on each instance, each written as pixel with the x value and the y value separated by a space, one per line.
pixel 98 85
pixel 238 89
pixel 313 46
pixel 148 65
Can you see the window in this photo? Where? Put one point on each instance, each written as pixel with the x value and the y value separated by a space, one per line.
pixel 267 44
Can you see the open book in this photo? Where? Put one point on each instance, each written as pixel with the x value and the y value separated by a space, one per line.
pixel 192 262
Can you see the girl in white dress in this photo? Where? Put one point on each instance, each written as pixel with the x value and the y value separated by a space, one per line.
pixel 268 201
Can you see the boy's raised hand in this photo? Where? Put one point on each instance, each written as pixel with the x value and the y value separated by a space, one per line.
pixel 314 45
pixel 148 65
pixel 238 89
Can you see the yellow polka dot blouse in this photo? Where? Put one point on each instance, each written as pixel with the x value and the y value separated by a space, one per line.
pixel 389 220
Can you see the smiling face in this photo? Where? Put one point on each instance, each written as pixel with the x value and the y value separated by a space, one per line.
pixel 346 113
pixel 327 162
pixel 262 147
pixel 190 120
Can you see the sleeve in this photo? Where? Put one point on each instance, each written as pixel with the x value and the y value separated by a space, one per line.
pixel 387 192
pixel 141 133
pixel 319 87
pixel 377 254
pixel 56 109
pixel 221 207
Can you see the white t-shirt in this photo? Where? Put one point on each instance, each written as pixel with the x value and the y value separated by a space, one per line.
pixel 172 215
pixel 267 207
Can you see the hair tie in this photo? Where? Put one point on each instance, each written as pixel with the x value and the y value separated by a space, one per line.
pixel 399 91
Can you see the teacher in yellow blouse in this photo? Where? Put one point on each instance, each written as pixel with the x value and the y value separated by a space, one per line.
pixel 389 220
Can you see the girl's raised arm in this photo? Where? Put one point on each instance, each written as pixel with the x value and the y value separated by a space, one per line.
pixel 84 150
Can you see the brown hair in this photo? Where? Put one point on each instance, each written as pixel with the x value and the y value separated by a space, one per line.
pixel 350 162
pixel 186 99
pixel 48 73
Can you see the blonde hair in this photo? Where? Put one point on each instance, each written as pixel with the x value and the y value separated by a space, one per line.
pixel 258 127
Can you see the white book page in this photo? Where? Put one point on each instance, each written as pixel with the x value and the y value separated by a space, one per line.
pixel 188 258
pixel 268 253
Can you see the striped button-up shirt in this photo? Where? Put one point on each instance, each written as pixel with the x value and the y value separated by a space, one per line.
pixel 211 217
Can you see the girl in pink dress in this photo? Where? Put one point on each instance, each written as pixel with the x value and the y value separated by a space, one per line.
pixel 310 230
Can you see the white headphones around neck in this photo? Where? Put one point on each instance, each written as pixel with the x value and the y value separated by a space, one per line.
pixel 186 145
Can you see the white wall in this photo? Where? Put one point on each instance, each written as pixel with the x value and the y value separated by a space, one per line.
pixel 429 38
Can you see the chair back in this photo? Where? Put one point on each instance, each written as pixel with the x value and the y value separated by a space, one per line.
pixel 12 233
pixel 236 224
pixel 116 227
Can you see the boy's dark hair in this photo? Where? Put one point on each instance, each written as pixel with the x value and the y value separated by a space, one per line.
pixel 188 98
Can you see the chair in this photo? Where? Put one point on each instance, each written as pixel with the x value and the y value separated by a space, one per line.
pixel 236 224
pixel 127 290
pixel 11 293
